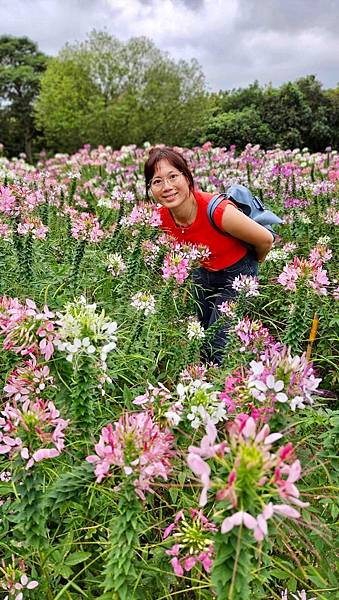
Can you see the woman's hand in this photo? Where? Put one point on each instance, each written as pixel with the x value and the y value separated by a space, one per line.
pixel 245 229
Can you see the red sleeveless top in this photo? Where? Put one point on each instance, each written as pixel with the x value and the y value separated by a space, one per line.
pixel 225 250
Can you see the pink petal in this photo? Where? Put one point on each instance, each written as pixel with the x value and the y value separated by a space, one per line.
pixel 168 530
pixel 32 584
pixel 44 453
pixel 249 521
pixel 268 511
pixel 177 568
pixel 250 428
pixel 262 524
pixel 198 465
pixel 273 438
pixel 174 551
pixel 295 472
pixel 286 511
pixel 190 562
pixel 233 521
pixel 262 434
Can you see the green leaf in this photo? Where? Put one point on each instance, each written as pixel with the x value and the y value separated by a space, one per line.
pixel 278 574
pixel 65 571
pixel 76 558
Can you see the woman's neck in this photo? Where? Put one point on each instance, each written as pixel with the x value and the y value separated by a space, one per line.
pixel 185 214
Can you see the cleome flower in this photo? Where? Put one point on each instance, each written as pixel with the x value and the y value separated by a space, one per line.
pixel 144 302
pixel 115 264
pixel 247 285
pixel 179 262
pixel 195 331
pixel 27 330
pixel 305 271
pixel 34 226
pixel 298 596
pixel 85 226
pixel 273 380
pixel 176 266
pixel 28 381
pixel 135 448
pixel 200 403
pixel 253 335
pixel 245 477
pixel 142 214
pixel 160 403
pixel 282 378
pixel 35 431
pixel 193 542
pixel 14 580
pixel 82 331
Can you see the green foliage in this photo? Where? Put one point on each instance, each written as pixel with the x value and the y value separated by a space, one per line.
pixel 120 570
pixel 297 114
pixel 240 128
pixel 21 65
pixel 104 91
pixel 30 513
pixel 231 573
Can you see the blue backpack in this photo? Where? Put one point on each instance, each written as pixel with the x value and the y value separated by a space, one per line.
pixel 250 205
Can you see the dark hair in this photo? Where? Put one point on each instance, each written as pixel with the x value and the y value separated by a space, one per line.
pixel 174 158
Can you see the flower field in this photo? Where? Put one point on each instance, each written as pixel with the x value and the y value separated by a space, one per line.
pixel 129 468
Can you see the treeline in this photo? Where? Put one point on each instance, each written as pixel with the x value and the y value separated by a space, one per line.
pixel 104 91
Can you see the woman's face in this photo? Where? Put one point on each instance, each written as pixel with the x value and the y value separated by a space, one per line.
pixel 169 187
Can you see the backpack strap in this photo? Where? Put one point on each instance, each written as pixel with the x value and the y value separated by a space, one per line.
pixel 212 205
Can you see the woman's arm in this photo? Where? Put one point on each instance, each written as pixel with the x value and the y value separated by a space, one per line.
pixel 239 226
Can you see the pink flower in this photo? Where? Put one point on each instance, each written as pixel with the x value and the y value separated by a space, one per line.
pixel 175 266
pixel 253 335
pixel 36 423
pixel 85 226
pixel 237 519
pixel 24 325
pixel 309 271
pixel 138 446
pixel 28 381
pixel 193 543
pixel 202 470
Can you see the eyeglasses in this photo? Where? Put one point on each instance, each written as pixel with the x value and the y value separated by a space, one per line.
pixel 157 182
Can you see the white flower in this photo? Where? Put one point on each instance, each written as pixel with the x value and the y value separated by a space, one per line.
pixel 181 390
pixel 83 330
pixel 173 417
pixel 297 402
pixel 195 330
pixel 144 301
pixel 257 367
pixel 246 284
pixel 115 264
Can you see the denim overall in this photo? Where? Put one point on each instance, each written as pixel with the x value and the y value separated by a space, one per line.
pixel 210 289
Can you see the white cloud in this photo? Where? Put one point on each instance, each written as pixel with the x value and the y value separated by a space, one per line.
pixel 235 41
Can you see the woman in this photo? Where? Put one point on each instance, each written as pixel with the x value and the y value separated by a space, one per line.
pixel 169 182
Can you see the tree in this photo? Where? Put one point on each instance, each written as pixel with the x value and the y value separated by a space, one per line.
pixel 239 128
pixel 21 66
pixel 114 93
pixel 332 110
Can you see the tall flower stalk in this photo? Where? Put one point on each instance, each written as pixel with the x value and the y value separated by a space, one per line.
pixel 133 453
pixel 250 486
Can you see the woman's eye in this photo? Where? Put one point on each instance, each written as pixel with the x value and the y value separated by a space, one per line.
pixel 172 177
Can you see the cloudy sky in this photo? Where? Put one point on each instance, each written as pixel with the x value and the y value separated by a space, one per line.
pixel 235 41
